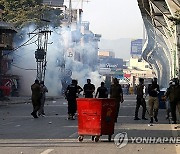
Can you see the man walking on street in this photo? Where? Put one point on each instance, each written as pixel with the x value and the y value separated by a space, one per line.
pixel 140 100
pixel 153 91
pixel 116 93
pixel 71 94
pixel 44 90
pixel 36 96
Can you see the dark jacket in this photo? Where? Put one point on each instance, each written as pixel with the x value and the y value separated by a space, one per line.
pixel 173 93
pixel 103 92
pixel 72 91
pixel 116 92
pixel 88 90
pixel 153 90
pixel 36 93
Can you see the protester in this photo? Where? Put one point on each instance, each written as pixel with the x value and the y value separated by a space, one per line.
pixel 89 89
pixel 44 90
pixel 153 91
pixel 36 96
pixel 102 91
pixel 173 95
pixel 116 93
pixel 140 100
pixel 71 93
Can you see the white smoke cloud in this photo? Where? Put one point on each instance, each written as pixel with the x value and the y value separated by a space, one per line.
pixel 57 58
pixel 23 59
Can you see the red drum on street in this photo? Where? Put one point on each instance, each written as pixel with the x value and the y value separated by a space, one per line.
pixel 96 117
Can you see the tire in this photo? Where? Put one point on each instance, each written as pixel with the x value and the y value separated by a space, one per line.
pixel 80 138
pixel 96 139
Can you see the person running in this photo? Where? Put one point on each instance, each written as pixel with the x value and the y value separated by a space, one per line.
pixel 89 89
pixel 140 100
pixel 153 91
pixel 102 91
pixel 116 93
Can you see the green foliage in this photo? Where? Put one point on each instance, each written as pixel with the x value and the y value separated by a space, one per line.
pixel 23 12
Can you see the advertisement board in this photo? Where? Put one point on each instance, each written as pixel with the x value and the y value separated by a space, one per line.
pixel 136 47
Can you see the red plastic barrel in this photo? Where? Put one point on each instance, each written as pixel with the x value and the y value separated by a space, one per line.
pixel 96 116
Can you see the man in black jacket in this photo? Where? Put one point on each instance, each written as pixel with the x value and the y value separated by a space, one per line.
pixel 72 92
pixel 102 91
pixel 116 92
pixel 36 98
pixel 153 91
pixel 89 89
pixel 140 100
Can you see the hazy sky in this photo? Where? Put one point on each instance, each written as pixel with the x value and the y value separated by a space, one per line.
pixel 113 19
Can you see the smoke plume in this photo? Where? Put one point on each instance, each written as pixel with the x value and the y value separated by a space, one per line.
pixel 64 56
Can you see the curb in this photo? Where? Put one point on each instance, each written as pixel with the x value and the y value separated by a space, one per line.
pixel 11 100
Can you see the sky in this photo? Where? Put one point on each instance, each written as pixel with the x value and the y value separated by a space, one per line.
pixel 113 19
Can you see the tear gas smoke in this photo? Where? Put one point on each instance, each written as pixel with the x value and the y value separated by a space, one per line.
pixel 58 61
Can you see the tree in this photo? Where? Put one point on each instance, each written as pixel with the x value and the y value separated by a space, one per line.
pixel 24 12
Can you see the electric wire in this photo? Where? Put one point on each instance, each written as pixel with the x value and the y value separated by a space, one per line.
pixel 24 44
pixel 27 69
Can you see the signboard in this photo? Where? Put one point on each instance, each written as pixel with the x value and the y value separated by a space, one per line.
pixel 119 76
pixel 136 47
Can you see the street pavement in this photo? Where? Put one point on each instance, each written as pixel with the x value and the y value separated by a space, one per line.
pixel 20 133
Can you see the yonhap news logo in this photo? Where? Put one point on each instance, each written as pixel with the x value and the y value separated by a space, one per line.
pixel 121 140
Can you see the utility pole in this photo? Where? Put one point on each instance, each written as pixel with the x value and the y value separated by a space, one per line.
pixel 82 4
pixel 41 52
pixel 70 13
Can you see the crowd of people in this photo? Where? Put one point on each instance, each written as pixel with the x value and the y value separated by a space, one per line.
pixel 88 89
pixel 153 102
pixel 172 97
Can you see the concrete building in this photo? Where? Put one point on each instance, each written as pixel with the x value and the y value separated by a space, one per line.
pixel 139 63
pixel 81 46
pixel 138 68
pixel 109 65
pixel 8 82
pixel 132 75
